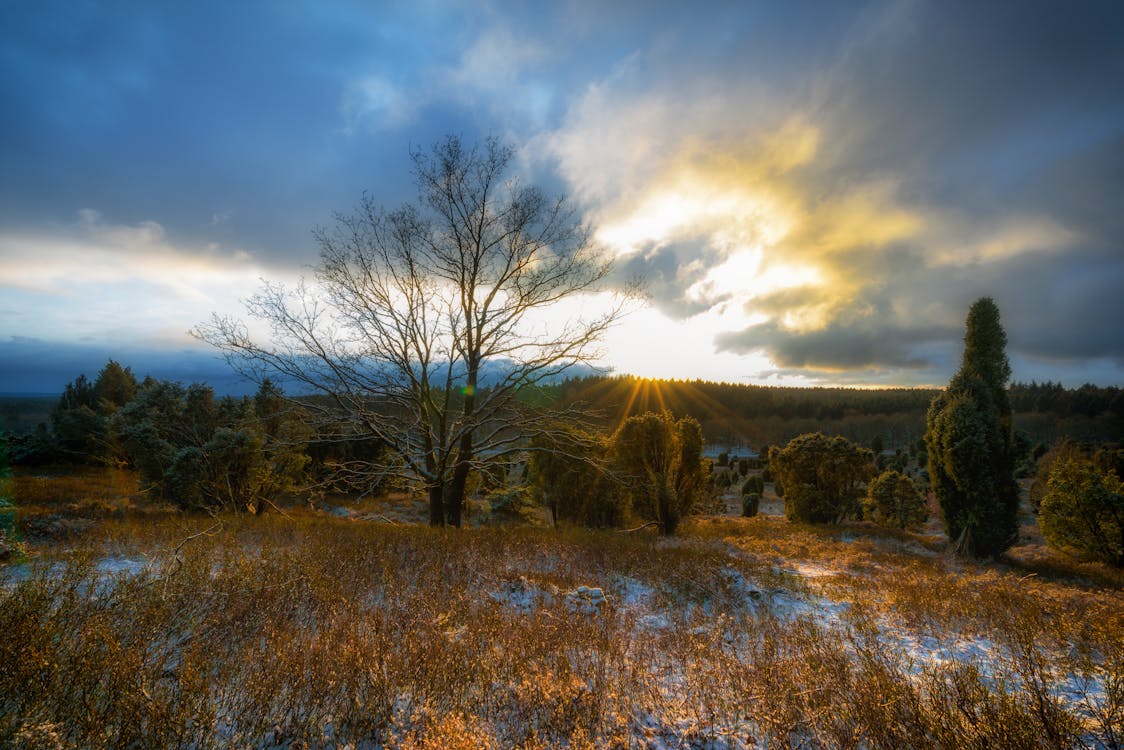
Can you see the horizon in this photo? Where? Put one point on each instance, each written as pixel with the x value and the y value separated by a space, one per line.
pixel 230 384
pixel 813 195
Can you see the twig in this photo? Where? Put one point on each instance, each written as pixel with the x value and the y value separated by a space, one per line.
pixel 638 528
pixel 274 506
pixel 389 520
pixel 177 563
pixel 205 532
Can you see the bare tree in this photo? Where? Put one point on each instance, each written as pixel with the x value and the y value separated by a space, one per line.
pixel 423 326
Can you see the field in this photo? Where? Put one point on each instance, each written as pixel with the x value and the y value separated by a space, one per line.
pixel 135 627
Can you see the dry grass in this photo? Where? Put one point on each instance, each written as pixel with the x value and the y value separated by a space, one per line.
pixel 312 631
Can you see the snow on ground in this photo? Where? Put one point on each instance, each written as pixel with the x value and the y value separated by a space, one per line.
pixel 106 569
pixel 524 596
pixel 123 565
pixel 658 733
pixel 653 608
pixel 810 570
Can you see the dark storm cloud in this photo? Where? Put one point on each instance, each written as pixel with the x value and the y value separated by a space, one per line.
pixel 1001 87
pixel 840 346
pixel 1061 307
pixel 1065 307
pixel 1082 188
pixel 178 113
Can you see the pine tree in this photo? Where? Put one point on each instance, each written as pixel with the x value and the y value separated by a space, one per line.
pixel 970 444
pixel 115 387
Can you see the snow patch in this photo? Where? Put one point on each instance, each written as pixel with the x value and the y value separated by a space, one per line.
pixel 121 565
pixel 827 613
pixel 811 570
pixel 523 596
pixel 105 570
pixel 733 582
pixel 632 593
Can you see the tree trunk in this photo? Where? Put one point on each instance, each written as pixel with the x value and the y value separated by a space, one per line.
pixel 665 511
pixel 454 499
pixel 436 504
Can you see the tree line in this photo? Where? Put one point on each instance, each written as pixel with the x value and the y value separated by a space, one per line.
pixel 759 415
pixel 188 446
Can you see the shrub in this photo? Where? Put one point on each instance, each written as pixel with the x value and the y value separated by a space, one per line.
pixel 753 484
pixel 1109 460
pixel 208 453
pixel 970 444
pixel 1083 510
pixel 569 476
pixel 661 460
pixel 893 500
pixel 822 477
pixel 511 503
pixel 750 504
pixel 34 448
pixel 1061 450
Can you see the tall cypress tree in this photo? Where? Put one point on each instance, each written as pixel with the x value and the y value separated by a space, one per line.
pixel 970 445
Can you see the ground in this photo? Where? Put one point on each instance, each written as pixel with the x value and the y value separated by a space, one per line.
pixel 130 625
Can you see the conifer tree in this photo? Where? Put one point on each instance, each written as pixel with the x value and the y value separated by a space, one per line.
pixel 661 460
pixel 970 445
pixel 821 477
pixel 893 500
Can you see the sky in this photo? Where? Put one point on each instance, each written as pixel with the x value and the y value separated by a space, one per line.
pixel 813 193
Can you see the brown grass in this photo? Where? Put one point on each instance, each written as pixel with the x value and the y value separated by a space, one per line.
pixel 313 631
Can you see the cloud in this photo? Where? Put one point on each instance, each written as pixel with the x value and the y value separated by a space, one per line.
pixel 117 283
pixel 790 177
pixel 840 346
pixel 497 59
pixel 851 211
pixel 374 103
pixel 91 250
pixel 486 67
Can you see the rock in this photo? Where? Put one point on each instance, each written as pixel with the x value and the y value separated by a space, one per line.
pixel 587 599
